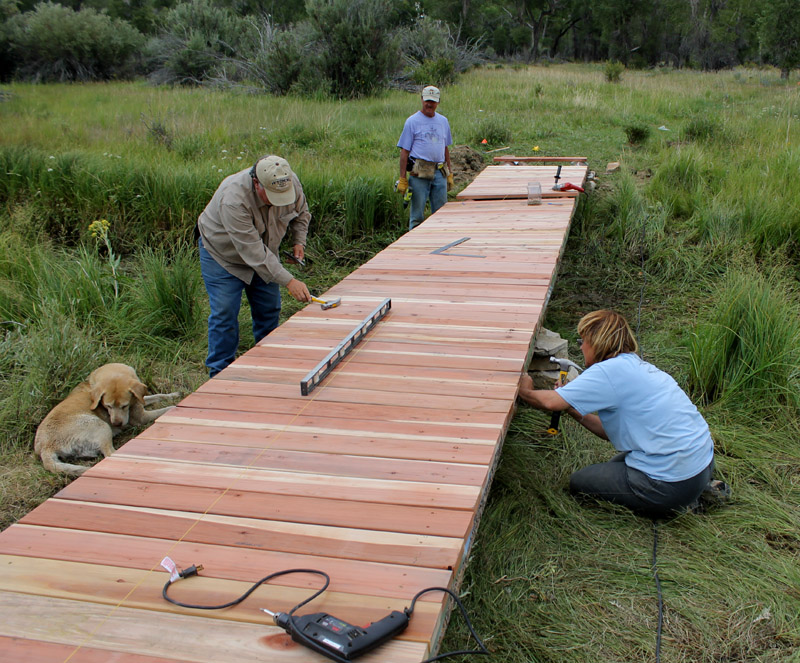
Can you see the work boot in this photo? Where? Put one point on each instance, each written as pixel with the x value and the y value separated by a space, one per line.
pixel 716 493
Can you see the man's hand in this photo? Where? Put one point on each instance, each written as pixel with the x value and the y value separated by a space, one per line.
pixel 299 252
pixel 402 185
pixel 298 290
pixel 450 181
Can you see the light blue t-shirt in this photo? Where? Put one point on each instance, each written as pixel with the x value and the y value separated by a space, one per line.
pixel 426 137
pixel 644 411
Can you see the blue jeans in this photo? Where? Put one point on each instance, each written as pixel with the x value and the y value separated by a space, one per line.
pixel 421 190
pixel 225 297
pixel 614 481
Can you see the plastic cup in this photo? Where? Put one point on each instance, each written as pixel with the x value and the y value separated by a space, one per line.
pixel 534 193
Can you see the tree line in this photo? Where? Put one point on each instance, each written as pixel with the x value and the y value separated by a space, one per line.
pixel 349 48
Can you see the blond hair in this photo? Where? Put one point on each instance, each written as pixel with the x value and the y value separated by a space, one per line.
pixel 608 333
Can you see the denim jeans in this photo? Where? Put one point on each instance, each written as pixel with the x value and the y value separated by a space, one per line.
pixel 225 297
pixel 614 481
pixel 421 190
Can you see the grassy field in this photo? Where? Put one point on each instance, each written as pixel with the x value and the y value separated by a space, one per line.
pixel 694 238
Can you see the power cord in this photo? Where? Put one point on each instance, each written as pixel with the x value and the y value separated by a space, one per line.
pixel 325 634
pixel 654 567
pixel 658 590
pixel 463 610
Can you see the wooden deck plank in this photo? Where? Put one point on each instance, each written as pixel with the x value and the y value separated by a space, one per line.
pixel 410 430
pixel 302 461
pixel 364 396
pixel 159 635
pixel 22 650
pixel 339 443
pixel 276 506
pixel 347 543
pixel 310 407
pixel 378 491
pixel 219 561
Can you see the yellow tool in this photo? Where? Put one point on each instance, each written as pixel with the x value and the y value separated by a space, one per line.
pixel 327 303
pixel 563 369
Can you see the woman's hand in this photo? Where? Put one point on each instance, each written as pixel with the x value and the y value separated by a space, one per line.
pixel 543 399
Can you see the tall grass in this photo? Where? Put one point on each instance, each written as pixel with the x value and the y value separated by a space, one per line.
pixel 746 350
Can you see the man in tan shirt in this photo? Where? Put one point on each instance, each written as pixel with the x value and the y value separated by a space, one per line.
pixel 241 230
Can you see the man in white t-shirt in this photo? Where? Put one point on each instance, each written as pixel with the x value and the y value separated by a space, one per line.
pixel 425 157
pixel 666 455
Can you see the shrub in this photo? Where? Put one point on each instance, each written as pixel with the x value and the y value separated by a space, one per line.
pixel 56 43
pixel 429 40
pixel 358 49
pixel 701 129
pixel 195 41
pixel 442 71
pixel 637 133
pixel 613 71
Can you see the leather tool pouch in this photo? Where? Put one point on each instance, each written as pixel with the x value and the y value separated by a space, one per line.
pixel 445 170
pixel 425 170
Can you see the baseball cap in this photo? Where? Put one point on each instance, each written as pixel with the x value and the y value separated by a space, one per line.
pixel 430 93
pixel 275 176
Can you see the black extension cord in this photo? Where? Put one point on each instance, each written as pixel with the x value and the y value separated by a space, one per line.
pixel 298 627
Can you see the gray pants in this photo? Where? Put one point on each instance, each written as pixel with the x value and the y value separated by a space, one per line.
pixel 615 482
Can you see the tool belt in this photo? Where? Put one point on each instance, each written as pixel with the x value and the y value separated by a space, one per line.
pixel 425 170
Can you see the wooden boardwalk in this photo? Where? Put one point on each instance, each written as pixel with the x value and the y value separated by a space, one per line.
pixel 378 477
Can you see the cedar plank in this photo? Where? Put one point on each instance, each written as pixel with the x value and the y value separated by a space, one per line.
pixel 202 639
pixel 390 548
pixel 219 561
pixel 379 447
pixel 283 460
pixel 287 508
pixel 411 493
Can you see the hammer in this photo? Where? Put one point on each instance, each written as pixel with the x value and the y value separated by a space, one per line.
pixel 567 186
pixel 563 368
pixel 327 303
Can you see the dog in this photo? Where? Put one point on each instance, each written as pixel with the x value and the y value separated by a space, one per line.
pixel 85 422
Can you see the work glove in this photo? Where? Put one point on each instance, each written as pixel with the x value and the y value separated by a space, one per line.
pixel 402 185
pixel 450 181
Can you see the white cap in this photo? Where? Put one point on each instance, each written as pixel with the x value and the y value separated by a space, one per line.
pixel 275 176
pixel 430 93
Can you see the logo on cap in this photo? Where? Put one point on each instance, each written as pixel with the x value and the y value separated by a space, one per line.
pixel 275 176
pixel 430 93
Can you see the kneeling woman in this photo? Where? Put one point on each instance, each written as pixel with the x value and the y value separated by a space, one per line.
pixel 666 454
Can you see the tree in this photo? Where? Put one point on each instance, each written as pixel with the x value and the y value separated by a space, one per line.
pixel 779 32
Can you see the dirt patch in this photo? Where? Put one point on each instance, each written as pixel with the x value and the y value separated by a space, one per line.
pixel 466 162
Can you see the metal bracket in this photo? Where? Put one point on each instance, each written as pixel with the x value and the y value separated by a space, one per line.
pixel 444 248
pixel 323 369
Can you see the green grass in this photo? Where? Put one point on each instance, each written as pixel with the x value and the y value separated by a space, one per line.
pixel 694 239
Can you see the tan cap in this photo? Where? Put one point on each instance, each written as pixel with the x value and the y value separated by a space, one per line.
pixel 430 93
pixel 275 176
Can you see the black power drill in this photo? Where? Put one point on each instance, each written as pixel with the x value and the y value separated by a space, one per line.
pixel 337 639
